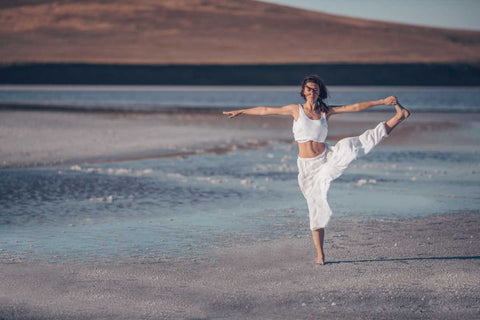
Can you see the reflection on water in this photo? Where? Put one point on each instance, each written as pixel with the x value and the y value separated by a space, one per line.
pixel 181 206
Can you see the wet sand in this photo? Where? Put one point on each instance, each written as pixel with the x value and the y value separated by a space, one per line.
pixel 383 269
pixel 36 138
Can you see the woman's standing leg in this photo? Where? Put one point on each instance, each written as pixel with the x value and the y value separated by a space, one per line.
pixel 318 237
pixel 314 184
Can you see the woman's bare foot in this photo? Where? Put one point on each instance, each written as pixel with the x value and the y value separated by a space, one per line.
pixel 402 113
pixel 320 261
pixel 400 116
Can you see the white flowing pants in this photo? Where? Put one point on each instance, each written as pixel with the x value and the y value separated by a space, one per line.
pixel 315 174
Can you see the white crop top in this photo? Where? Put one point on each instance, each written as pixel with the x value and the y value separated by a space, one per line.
pixel 306 129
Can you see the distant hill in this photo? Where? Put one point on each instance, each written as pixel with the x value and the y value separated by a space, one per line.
pixel 214 32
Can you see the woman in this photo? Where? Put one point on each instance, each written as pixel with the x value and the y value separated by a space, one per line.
pixel 318 162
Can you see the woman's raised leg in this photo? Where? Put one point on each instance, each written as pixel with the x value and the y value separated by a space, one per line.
pixel 318 237
pixel 401 115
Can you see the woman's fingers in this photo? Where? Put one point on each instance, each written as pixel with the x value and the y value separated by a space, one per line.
pixel 230 114
pixel 390 100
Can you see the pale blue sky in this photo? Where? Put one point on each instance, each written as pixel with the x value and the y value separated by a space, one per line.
pixel 458 14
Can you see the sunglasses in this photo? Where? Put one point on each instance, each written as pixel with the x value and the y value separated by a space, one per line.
pixel 309 89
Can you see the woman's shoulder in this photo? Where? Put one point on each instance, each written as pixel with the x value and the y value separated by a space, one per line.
pixel 293 110
pixel 329 108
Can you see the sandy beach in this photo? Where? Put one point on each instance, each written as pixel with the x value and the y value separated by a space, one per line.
pixel 382 269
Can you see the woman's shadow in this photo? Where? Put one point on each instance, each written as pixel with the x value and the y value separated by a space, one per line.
pixel 406 259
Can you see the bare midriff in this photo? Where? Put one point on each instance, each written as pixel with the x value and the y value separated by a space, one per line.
pixel 310 149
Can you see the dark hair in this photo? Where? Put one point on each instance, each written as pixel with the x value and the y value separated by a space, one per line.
pixel 322 95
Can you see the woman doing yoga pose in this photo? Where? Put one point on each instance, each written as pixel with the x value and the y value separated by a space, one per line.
pixel 318 162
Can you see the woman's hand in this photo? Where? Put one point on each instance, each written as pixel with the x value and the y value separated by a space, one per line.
pixel 232 114
pixel 390 100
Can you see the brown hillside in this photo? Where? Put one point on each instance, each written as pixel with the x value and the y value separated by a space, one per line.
pixel 214 32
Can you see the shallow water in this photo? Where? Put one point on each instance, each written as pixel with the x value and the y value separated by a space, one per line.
pixel 172 207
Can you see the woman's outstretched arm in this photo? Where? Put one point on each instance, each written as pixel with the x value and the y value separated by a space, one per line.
pixel 357 107
pixel 287 110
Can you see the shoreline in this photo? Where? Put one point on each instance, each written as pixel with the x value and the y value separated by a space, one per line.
pixel 379 268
